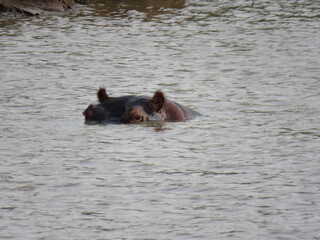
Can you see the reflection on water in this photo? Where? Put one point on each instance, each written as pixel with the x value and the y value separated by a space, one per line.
pixel 248 169
pixel 156 125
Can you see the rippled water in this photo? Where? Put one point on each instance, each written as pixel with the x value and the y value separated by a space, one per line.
pixel 248 169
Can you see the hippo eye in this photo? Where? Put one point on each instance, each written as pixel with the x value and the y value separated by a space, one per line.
pixel 138 118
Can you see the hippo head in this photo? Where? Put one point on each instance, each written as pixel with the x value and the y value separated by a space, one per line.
pixel 140 109
pixel 95 113
pixel 109 109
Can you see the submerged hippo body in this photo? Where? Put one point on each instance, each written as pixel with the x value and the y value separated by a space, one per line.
pixel 135 109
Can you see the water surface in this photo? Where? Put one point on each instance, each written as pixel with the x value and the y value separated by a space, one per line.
pixel 248 169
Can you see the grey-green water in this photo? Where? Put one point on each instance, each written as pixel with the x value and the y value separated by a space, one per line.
pixel 248 169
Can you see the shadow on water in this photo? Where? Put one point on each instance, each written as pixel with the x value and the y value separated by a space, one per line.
pixel 123 8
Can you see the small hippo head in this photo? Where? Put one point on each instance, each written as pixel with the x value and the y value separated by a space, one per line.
pixel 142 109
pixel 108 109
pixel 95 113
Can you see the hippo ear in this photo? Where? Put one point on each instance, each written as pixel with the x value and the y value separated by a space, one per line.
pixel 102 95
pixel 157 101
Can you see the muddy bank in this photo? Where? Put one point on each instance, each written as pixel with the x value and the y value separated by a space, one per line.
pixel 34 7
pixel 16 8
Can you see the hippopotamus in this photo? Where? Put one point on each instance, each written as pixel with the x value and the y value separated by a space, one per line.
pixel 136 109
pixel 109 108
